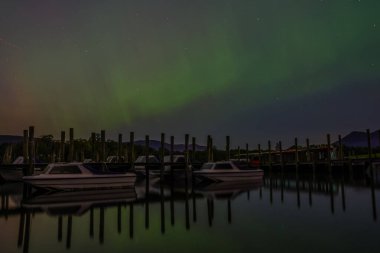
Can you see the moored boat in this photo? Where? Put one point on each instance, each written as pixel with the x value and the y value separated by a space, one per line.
pixel 227 171
pixel 71 176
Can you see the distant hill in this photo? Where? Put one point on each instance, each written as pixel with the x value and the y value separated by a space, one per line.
pixel 359 139
pixel 177 147
pixel 10 139
pixel 353 139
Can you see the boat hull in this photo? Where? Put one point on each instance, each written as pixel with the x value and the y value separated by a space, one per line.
pixel 82 182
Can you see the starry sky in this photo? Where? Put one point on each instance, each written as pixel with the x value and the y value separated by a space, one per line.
pixel 252 69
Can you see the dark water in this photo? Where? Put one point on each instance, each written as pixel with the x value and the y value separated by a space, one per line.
pixel 281 213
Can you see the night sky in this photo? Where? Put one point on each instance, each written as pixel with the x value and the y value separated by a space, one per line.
pixel 255 70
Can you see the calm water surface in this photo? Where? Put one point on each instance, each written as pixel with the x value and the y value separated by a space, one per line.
pixel 278 214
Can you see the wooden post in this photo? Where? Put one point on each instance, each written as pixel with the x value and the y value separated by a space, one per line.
pixel 82 149
pixel 340 148
pixel 296 151
pixel 93 149
pixel 193 150
pixel 25 150
pixel 120 148
pixel 62 149
pixel 162 154
pixel 313 161
pixel 211 150
pixel 131 149
pixel 281 156
pixel 259 150
pixel 71 145
pixel 31 151
pixel 103 157
pixel 147 145
pixel 247 153
pixel 369 147
pixel 147 158
pixel 370 156
pixel 186 153
pixel 228 148
pixel 208 148
pixel 308 150
pixel 171 156
pixel 329 153
pixel 270 155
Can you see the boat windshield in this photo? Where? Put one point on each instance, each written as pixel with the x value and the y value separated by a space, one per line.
pixel 223 166
pixel 69 169
pixel 140 159
pixel 46 169
pixel 206 166
pixel 97 168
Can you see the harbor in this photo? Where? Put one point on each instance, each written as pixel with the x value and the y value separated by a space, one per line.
pixel 170 194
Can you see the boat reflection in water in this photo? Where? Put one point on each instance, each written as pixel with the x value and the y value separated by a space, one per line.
pixel 211 213
pixel 78 202
pixel 219 189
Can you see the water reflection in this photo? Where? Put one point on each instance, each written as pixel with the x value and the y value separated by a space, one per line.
pixel 154 203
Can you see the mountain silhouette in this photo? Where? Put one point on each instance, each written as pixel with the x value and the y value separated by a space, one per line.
pixel 359 139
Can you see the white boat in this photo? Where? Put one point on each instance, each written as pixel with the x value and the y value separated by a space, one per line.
pixel 79 176
pixel 227 171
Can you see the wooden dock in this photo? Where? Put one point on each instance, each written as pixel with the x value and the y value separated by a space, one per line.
pixel 38 152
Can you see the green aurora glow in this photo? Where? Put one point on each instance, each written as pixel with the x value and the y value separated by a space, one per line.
pixel 110 65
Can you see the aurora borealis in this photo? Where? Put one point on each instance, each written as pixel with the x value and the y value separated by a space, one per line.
pixel 251 69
